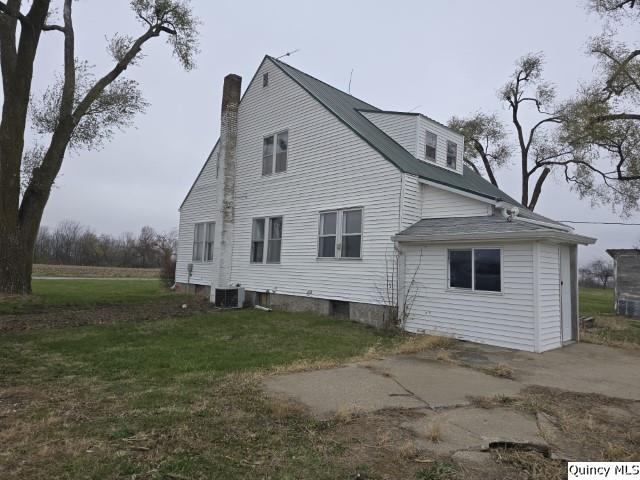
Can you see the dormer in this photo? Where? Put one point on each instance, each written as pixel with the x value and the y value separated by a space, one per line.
pixel 424 138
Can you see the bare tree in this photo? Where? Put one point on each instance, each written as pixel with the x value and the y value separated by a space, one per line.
pixel 603 120
pixel 77 111
pixel 485 140
pixel 538 147
pixel 595 149
pixel 399 290
pixel 602 271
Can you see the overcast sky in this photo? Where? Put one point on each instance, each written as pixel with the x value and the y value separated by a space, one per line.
pixel 443 57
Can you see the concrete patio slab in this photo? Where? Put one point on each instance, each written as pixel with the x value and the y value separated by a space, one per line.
pixel 441 384
pixel 352 387
pixel 581 367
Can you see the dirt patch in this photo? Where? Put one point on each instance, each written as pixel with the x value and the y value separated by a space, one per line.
pixel 42 270
pixel 61 318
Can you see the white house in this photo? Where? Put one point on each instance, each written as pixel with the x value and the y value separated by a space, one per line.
pixel 309 192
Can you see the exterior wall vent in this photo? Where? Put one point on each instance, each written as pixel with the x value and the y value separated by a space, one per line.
pixel 338 308
pixel 265 79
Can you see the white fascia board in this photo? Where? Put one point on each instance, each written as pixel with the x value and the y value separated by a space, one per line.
pixel 556 236
pixel 464 193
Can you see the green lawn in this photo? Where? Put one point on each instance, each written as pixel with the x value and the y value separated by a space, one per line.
pixel 596 301
pixel 49 294
pixel 170 399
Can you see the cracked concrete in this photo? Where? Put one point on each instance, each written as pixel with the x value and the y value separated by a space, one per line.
pixel 448 431
pixel 440 392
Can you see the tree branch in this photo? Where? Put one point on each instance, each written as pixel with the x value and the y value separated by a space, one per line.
pixel 617 116
pixel 48 28
pixel 11 12
pixel 485 161
pixel 537 190
pixel 120 67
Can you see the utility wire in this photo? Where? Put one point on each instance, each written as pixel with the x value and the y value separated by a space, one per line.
pixel 601 223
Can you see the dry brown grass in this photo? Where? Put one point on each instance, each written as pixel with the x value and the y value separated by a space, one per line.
pixel 532 465
pixel 434 432
pixel 614 331
pixel 347 413
pixel 284 409
pixel 500 370
pixel 419 343
pixel 407 450
pixel 42 270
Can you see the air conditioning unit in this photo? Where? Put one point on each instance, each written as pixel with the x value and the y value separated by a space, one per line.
pixel 229 297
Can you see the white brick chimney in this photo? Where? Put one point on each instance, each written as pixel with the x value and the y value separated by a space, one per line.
pixel 226 182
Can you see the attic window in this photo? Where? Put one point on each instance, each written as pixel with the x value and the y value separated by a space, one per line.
pixel 265 79
pixel 452 154
pixel 431 141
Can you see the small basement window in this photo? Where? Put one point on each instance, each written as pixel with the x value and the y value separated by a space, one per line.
pixel 431 142
pixel 338 308
pixel 476 269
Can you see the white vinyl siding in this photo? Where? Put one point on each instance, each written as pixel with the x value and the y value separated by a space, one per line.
pixel 498 318
pixel 411 210
pixel 440 203
pixel 199 206
pixel 549 296
pixel 329 168
pixel 400 127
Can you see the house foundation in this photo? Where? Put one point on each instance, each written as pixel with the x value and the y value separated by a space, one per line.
pixel 366 313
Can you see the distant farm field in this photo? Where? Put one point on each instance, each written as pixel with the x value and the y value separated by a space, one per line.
pixel 41 270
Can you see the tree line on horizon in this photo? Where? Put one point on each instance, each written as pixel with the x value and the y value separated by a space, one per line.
pixel 71 243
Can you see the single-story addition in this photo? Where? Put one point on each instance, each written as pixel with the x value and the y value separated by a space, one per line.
pixel 626 277
pixel 312 199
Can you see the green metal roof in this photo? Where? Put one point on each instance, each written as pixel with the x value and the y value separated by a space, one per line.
pixel 347 109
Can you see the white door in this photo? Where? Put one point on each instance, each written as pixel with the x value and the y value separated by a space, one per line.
pixel 565 293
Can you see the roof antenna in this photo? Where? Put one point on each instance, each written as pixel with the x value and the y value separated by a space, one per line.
pixel 414 108
pixel 350 77
pixel 288 54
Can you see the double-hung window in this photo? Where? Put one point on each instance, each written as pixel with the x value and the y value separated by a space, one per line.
pixel 476 269
pixel 203 236
pixel 340 234
pixel 431 142
pixel 452 154
pixel 266 235
pixel 274 153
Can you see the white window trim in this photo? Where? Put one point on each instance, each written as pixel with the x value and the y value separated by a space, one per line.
pixel 339 225
pixel 265 246
pixel 435 156
pixel 204 242
pixel 273 155
pixel 473 271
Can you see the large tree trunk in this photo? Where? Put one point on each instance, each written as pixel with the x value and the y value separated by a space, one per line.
pixel 16 262
pixel 16 236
